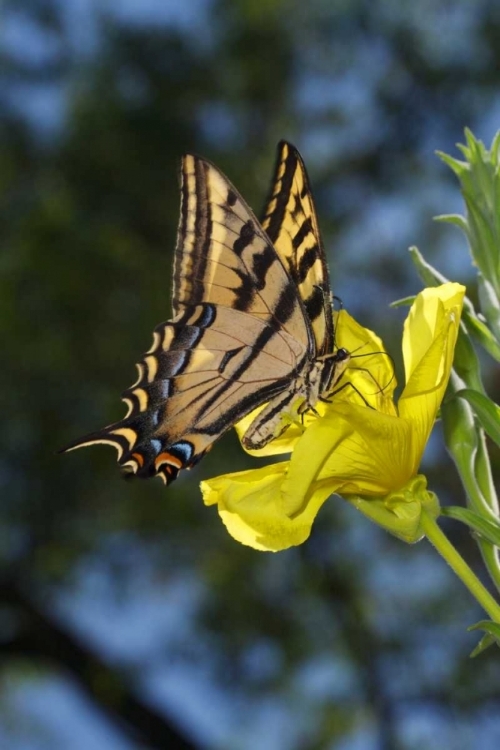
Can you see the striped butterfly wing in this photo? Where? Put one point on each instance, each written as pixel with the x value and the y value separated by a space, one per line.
pixel 224 256
pixel 240 335
pixel 291 224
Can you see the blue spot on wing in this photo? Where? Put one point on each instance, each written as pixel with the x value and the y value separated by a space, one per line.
pixel 183 449
pixel 156 446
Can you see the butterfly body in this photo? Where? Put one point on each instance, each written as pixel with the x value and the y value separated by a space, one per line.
pixel 252 325
pixel 316 382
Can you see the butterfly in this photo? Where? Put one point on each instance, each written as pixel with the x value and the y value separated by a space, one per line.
pixel 252 325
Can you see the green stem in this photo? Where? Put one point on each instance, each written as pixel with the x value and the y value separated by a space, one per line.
pixel 458 565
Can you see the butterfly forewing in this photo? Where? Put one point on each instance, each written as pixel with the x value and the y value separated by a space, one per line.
pixel 292 226
pixel 223 255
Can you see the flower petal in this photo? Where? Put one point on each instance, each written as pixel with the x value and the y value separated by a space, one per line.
pixel 429 340
pixel 370 370
pixel 434 313
pixel 251 507
pixel 353 450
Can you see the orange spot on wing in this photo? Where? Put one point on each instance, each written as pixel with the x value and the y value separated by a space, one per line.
pixel 139 458
pixel 168 458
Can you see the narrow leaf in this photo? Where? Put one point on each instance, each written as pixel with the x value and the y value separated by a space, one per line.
pixel 403 302
pixel 490 304
pixel 492 630
pixel 486 411
pixel 455 164
pixel 429 275
pixel 485 642
pixel 456 219
pixel 487 528
pixel 482 334
pixel 466 362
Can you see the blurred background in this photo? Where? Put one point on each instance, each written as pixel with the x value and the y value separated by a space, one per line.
pixel 128 617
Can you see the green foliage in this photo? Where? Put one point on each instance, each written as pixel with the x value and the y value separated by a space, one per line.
pixel 487 528
pixel 479 177
pixel 486 411
pixel 464 423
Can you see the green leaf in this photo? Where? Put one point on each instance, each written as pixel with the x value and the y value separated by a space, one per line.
pixel 487 528
pixel 460 429
pixel 495 148
pixel 492 630
pixel 459 167
pixel 490 305
pixel 477 327
pixel 429 275
pixel 486 411
pixel 403 302
pixel 480 185
pixel 456 219
pixel 480 330
pixel 432 277
pixel 466 362
pixel 485 642
pixel 482 239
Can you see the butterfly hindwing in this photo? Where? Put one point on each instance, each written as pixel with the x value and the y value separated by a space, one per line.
pixel 204 372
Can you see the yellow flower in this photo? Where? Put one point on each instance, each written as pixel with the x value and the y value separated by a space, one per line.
pixel 367 448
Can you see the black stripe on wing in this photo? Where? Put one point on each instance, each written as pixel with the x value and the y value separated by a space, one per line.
pixel 291 224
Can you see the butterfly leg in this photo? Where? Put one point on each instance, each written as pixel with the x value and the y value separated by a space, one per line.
pixel 341 388
pixel 381 388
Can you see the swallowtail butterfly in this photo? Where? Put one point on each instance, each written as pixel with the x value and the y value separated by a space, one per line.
pixel 252 324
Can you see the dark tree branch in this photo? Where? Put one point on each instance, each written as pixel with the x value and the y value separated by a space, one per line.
pixel 41 637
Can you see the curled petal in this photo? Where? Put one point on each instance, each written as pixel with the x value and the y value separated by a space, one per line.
pixel 251 507
pixel 433 317
pixel 429 339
